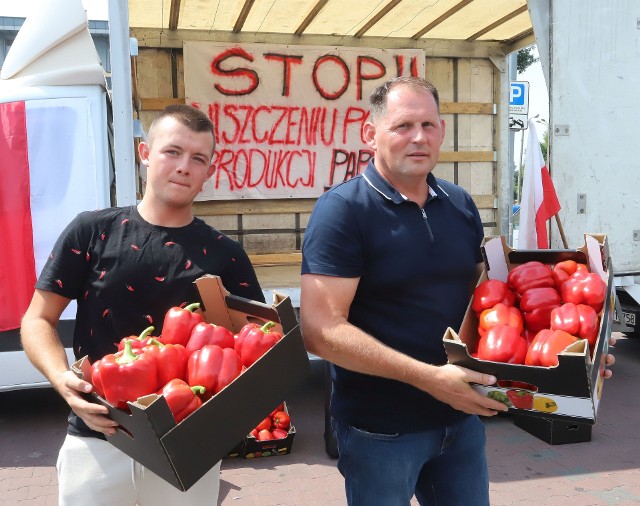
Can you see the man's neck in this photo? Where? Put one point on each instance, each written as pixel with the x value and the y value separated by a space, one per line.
pixel 172 217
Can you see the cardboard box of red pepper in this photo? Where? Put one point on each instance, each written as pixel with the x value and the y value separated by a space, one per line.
pixel 276 442
pixel 255 446
pixel 569 391
pixel 182 453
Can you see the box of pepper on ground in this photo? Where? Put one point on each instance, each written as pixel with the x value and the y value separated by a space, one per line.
pixel 181 446
pixel 540 321
pixel 273 436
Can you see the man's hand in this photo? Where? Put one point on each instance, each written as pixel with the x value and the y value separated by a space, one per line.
pixel 71 388
pixel 450 384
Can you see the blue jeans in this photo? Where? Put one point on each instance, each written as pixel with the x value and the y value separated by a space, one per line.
pixel 442 467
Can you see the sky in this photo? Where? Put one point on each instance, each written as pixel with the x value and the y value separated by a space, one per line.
pixel 96 9
pixel 538 105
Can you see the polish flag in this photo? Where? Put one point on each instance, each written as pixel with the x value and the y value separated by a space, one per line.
pixel 51 168
pixel 539 201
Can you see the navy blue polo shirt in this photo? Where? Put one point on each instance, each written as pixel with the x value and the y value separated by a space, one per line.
pixel 415 267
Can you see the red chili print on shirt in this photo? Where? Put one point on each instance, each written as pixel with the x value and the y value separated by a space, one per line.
pixel 135 247
pixel 76 251
pixel 102 273
pixel 160 278
pixel 169 243
pixel 187 265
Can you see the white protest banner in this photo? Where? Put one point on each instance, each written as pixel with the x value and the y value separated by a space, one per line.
pixel 288 119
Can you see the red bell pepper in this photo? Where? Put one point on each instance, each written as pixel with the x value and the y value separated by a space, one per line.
pixel 500 314
pixel 502 344
pixel 529 275
pixel 257 342
pixel 546 346
pixel 208 333
pixel 240 336
pixel 578 320
pixel 584 288
pixel 536 305
pixel 521 399
pixel 281 420
pixel 491 292
pixel 137 342
pixel 563 270
pixel 181 398
pixel 171 360
pixel 126 376
pixel 178 324
pixel 570 266
pixel 95 379
pixel 279 433
pixel 213 367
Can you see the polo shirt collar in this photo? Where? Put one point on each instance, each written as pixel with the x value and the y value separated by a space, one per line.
pixel 382 186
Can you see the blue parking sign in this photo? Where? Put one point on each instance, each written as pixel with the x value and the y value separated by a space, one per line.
pixel 519 97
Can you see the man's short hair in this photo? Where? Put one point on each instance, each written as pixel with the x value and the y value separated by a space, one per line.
pixel 191 117
pixel 378 98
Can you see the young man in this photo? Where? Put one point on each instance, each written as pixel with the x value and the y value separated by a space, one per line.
pixel 126 267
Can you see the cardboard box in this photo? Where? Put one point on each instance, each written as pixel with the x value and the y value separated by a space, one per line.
pixel 255 449
pixel 554 432
pixel 236 451
pixel 572 390
pixel 252 448
pixel 181 454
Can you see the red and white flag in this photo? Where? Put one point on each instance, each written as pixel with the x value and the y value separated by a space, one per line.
pixel 49 171
pixel 539 201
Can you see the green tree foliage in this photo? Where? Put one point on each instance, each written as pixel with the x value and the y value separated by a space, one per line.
pixel 525 59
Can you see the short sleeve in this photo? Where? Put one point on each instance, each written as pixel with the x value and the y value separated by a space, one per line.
pixel 333 241
pixel 65 270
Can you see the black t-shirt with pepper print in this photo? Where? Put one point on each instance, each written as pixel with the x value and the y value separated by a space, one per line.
pixel 126 273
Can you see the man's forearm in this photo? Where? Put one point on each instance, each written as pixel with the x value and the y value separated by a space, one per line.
pixel 43 347
pixel 351 348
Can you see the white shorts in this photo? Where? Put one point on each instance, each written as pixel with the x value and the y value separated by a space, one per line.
pixel 93 471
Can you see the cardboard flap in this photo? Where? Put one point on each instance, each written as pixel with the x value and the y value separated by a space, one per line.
pixel 231 311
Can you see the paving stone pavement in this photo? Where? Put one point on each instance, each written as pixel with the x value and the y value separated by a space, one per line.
pixel 524 470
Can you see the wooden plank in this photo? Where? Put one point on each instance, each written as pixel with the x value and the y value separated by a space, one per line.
pixel 467 156
pixel 285 206
pixel 467 108
pixel 263 206
pixel 434 48
pixel 265 259
pixel 485 201
pixel 157 104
